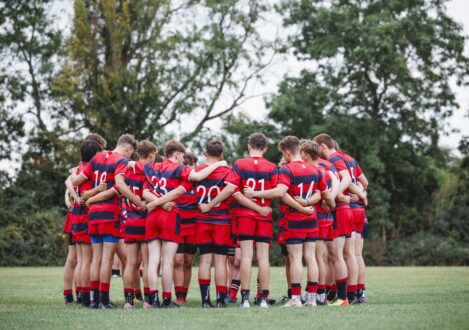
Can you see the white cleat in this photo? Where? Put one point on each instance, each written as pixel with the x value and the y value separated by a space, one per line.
pixel 264 304
pixel 293 302
pixel 245 304
pixel 310 299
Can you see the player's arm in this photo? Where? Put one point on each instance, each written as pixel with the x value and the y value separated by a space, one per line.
pixel 364 181
pixel 169 197
pixel 277 192
pixel 125 190
pixel 96 190
pixel 288 200
pixel 102 196
pixel 313 199
pixel 359 191
pixel 335 184
pixel 246 202
pixel 148 196
pixel 70 192
pixel 68 203
pixel 78 179
pixel 201 175
pixel 224 194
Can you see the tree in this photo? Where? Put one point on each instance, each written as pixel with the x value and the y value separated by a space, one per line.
pixel 145 66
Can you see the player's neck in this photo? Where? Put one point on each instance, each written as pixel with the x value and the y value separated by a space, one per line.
pixel 256 153
pixel 119 150
pixel 173 159
pixel 330 152
pixel 295 158
pixel 212 160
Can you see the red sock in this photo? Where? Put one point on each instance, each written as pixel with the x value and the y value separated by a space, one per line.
pixel 166 295
pixel 179 290
pixel 70 291
pixel 128 290
pixel 360 286
pixel 94 285
pixel 104 287
pixel 221 288
pixel 334 288
pixel 138 291
pixel 296 289
pixel 85 289
pixel 146 290
pixel 351 288
pixel 312 287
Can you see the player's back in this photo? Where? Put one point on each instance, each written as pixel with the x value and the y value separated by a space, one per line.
pixel 134 178
pixel 164 176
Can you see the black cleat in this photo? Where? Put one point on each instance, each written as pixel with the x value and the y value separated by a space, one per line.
pixel 221 304
pixel 156 304
pixel 107 306
pixel 94 305
pixel 207 304
pixel 171 305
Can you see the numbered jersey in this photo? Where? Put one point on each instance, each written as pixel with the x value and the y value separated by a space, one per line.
pixel 104 167
pixel 327 167
pixel 134 178
pixel 257 173
pixel 302 179
pixel 355 171
pixel 161 178
pixel 208 189
pixel 187 203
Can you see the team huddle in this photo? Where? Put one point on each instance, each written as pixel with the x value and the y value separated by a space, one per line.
pixel 156 213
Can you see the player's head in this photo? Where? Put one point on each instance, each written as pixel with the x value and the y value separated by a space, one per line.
pixel 176 150
pixel 146 151
pixel 326 144
pixel 158 159
pixel 257 142
pixel 309 151
pixel 335 144
pixel 214 149
pixel 190 160
pixel 98 138
pixel 289 146
pixel 88 149
pixel 127 145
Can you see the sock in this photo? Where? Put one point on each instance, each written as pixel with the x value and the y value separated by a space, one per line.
pixel 332 294
pixel 85 298
pixel 289 293
pixel 138 294
pixel 68 296
pixel 264 294
pixel 179 290
pixel 146 293
pixel 78 294
pixel 94 285
pixel 328 289
pixel 116 272
pixel 258 294
pixel 221 293
pixel 342 288
pixel 234 287
pixel 104 293
pixel 185 291
pixel 166 298
pixel 153 297
pixel 321 293
pixel 244 295
pixel 351 292
pixel 129 296
pixel 295 290
pixel 312 287
pixel 204 290
pixel 360 289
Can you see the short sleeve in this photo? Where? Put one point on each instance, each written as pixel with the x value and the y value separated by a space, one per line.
pixel 274 177
pixel 185 173
pixel 187 185
pixel 338 163
pixel 284 177
pixel 87 171
pixel 359 171
pixel 121 167
pixel 234 177
pixel 322 183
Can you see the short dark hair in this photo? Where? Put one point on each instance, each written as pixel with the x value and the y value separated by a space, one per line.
pixel 127 139
pixel 214 148
pixel 172 146
pixel 290 143
pixel 258 141
pixel 158 159
pixel 311 148
pixel 324 138
pixel 98 138
pixel 88 149
pixel 145 148
pixel 335 144
pixel 190 159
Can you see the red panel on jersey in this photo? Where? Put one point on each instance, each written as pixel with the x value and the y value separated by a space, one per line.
pixel 79 212
pixel 257 173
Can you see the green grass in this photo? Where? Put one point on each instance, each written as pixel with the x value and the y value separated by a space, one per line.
pixel 399 298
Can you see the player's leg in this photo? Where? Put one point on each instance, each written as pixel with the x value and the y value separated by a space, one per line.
pixel 295 255
pixel 167 260
pixel 178 274
pixel 129 273
pixel 352 267
pixel 188 262
pixel 321 296
pixel 87 257
pixel 235 276
pixel 361 269
pixel 69 270
pixel 309 256
pixel 262 254
pixel 97 248
pixel 220 277
pixel 204 275
pixel 121 254
pixel 77 274
pixel 340 270
pixel 146 286
pixel 109 250
pixel 331 288
pixel 247 253
pixel 137 285
pixel 154 256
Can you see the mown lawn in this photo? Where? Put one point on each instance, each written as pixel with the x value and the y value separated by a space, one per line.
pixel 412 298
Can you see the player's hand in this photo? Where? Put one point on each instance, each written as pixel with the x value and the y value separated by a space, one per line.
pixel 142 205
pixel 73 170
pixel 365 201
pixel 302 201
pixel 168 206
pixel 324 206
pixel 204 208
pixel 249 192
pixel 89 202
pixel 102 186
pixel 354 198
pixel 265 211
pixel 222 163
pixel 307 210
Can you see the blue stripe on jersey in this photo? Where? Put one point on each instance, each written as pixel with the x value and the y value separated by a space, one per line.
pixel 212 221
pixel 80 210
pixel 356 205
pixel 186 206
pixel 210 183
pixel 135 230
pixel 309 224
pixel 101 216
pixel 306 179
pixel 134 183
pixel 108 168
pixel 109 201
pixel 80 227
pixel 219 212
pixel 324 216
pixel 138 214
pixel 245 174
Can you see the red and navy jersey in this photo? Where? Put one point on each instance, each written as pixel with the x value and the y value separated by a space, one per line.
pixel 257 173
pixel 355 171
pixel 187 203
pixel 282 226
pixel 134 178
pixel 323 214
pixel 342 162
pixel 104 167
pixel 208 189
pixel 80 219
pixel 302 179
pixel 161 178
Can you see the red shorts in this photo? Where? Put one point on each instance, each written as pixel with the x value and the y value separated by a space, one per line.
pixel 111 228
pixel 68 223
pixel 358 219
pixel 213 234
pixel 187 227
pixel 325 230
pixel 253 229
pixel 281 232
pixel 343 222
pixel 163 225
pixel 301 236
pixel 81 238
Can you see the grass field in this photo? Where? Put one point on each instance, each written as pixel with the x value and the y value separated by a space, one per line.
pixel 412 298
